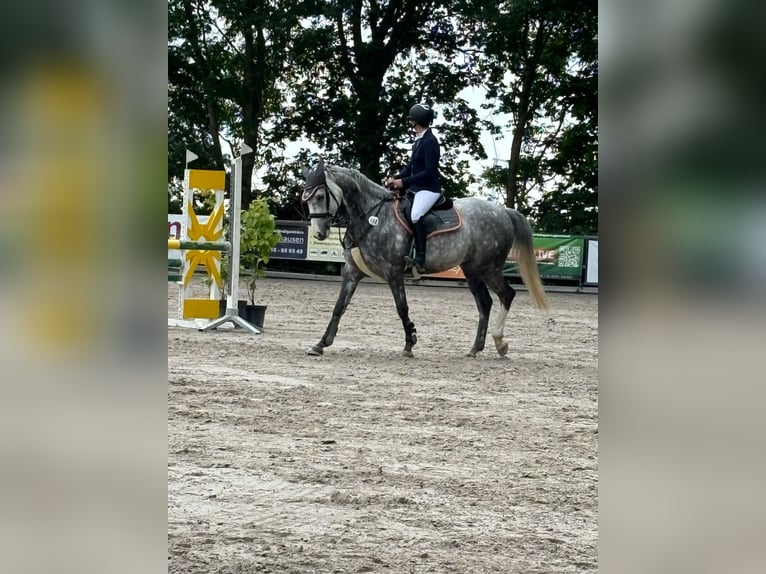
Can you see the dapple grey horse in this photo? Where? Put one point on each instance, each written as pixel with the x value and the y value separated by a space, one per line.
pixel 376 243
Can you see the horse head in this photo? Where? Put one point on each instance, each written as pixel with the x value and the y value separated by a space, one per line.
pixel 322 201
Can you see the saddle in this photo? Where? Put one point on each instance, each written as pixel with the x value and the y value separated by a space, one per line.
pixel 443 217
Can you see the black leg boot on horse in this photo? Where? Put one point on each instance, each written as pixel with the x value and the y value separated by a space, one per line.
pixel 419 262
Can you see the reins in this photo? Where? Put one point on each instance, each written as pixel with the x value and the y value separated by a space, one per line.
pixel 336 219
pixel 372 220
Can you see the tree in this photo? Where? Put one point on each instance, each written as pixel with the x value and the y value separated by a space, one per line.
pixel 343 73
pixel 194 106
pixel 225 60
pixel 572 205
pixel 362 64
pixel 539 60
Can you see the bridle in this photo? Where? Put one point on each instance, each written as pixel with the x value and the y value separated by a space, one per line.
pixel 335 218
pixel 308 193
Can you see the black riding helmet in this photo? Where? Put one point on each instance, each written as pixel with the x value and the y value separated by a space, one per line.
pixel 422 114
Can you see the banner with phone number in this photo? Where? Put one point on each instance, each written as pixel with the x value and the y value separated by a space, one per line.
pixel 297 243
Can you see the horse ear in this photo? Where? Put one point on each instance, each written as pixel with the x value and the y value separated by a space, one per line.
pixel 304 171
pixel 320 165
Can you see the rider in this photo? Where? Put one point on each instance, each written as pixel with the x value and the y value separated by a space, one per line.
pixel 421 176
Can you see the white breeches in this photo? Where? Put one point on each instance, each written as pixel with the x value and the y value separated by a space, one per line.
pixel 424 200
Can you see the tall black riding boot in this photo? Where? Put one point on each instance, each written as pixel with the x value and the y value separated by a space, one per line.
pixel 419 263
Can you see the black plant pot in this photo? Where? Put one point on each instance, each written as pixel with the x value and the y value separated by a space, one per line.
pixel 240 307
pixel 254 314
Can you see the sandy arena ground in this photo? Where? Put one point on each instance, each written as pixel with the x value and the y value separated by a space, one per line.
pixel 364 461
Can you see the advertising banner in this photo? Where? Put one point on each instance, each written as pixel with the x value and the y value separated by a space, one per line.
pixel 330 249
pixel 558 257
pixel 451 273
pixel 294 243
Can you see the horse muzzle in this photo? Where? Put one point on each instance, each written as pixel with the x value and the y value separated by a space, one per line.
pixel 320 229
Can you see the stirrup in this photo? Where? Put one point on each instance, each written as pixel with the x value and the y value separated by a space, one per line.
pixel 415 265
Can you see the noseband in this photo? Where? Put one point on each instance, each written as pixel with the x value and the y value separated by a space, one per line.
pixel 308 193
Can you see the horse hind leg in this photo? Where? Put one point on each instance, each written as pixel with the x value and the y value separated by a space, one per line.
pixel 484 304
pixel 505 293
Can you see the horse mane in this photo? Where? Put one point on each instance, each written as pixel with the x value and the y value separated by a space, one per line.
pixel 358 180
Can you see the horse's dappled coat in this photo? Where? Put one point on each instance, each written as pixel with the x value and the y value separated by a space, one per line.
pixel 480 246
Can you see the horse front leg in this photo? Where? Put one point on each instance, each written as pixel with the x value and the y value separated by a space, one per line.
pixel 351 277
pixel 396 284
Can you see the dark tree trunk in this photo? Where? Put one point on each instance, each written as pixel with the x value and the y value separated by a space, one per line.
pixel 369 130
pixel 256 83
pixel 372 58
pixel 523 115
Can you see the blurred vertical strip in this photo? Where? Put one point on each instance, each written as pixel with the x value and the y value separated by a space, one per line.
pixel 682 242
pixel 83 110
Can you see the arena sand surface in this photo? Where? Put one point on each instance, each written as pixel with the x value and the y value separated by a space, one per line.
pixel 364 461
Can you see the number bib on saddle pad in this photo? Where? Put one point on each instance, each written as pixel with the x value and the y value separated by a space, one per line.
pixel 442 218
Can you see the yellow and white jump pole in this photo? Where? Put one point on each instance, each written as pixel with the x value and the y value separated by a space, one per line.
pixel 201 244
pixel 232 313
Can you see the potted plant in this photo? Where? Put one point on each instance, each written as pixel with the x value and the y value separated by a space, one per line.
pixel 224 292
pixel 222 303
pixel 258 237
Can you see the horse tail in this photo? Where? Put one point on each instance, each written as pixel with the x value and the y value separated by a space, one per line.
pixel 526 258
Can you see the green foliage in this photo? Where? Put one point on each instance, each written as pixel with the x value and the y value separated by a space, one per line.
pixel 175 196
pixel 342 74
pixel 226 65
pixel 204 201
pixel 495 178
pixel 259 236
pixel 572 211
pixel 540 61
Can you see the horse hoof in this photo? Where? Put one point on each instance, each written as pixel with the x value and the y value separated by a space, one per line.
pixel 407 354
pixel 471 354
pixel 315 351
pixel 503 349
